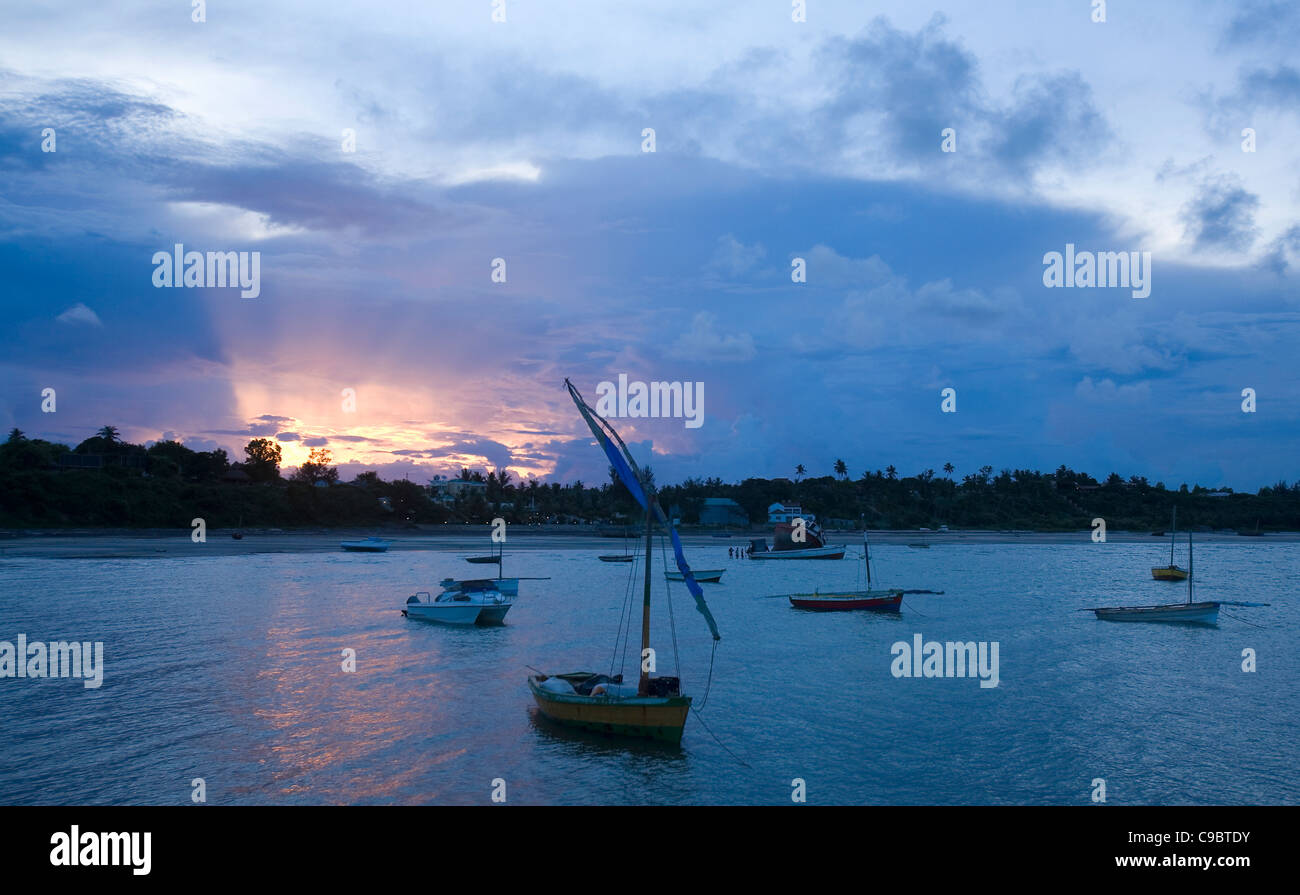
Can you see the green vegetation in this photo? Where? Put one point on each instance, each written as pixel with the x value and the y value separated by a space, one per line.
pixel 106 482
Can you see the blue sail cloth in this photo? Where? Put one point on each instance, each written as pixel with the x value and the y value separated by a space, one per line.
pixel 623 466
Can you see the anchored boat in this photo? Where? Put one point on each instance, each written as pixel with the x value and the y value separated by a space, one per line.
pixel 709 576
pixel 890 600
pixel 1170 572
pixel 1203 613
pixel 655 708
pixel 367 545
pixel 507 586
pixel 465 603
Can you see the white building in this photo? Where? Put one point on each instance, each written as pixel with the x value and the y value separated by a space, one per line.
pixel 784 512
pixel 447 490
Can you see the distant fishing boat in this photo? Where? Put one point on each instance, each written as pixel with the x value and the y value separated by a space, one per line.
pixel 626 556
pixel 1204 613
pixel 812 546
pixel 1170 572
pixel 710 576
pixel 762 552
pixel 367 545
pixel 477 602
pixel 655 708
pixel 890 600
pixel 507 586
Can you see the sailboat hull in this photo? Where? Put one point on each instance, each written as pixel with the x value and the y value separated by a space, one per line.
pixel 871 600
pixel 829 552
pixel 472 614
pixel 1187 613
pixel 1169 573
pixel 642 717
pixel 703 575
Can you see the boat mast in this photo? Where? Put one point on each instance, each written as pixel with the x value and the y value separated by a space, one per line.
pixel 1173 536
pixel 866 555
pixel 1189 567
pixel 643 682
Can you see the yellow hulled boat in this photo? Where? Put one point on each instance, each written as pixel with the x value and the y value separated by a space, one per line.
pixel 655 708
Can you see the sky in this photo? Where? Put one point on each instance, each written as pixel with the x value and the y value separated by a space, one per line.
pixel 380 156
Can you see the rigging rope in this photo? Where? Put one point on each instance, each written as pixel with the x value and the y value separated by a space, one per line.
pixel 708 684
pixel 1242 620
pixel 672 620
pixel 625 613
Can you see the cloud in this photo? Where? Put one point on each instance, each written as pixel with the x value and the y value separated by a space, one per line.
pixel 733 258
pixel 1052 119
pixel 1222 215
pixel 1263 22
pixel 1105 391
pixel 703 342
pixel 1283 251
pixel 79 314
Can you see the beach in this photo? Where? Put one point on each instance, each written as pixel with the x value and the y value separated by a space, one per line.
pixel 163 543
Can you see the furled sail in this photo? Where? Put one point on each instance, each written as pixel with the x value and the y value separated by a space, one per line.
pixel 630 475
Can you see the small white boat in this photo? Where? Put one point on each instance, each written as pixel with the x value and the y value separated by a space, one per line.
pixel 704 575
pixel 469 603
pixel 367 545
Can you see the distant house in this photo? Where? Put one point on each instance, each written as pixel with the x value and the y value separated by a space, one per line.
pixel 722 511
pixel 447 490
pixel 784 512
pixel 1219 494
pixel 236 476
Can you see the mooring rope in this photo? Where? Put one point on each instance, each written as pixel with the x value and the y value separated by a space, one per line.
pixel 1242 620
pixel 719 742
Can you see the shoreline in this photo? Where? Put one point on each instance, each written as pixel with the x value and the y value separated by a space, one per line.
pixel 172 543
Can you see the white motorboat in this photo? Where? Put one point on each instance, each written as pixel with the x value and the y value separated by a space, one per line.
pixel 464 603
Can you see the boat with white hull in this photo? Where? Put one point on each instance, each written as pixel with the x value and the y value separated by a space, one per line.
pixel 468 603
pixel 710 576
pixel 1195 613
pixel 830 551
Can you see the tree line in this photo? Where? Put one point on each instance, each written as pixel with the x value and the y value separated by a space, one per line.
pixel 107 482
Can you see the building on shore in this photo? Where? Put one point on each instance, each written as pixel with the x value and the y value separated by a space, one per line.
pixel 723 511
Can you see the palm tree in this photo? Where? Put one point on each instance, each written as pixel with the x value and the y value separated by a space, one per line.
pixel 108 433
pixel 948 469
pixel 890 472
pixel 16 435
pixel 798 471
pixel 841 470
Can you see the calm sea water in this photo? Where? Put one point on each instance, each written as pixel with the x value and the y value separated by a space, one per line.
pixel 229 669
